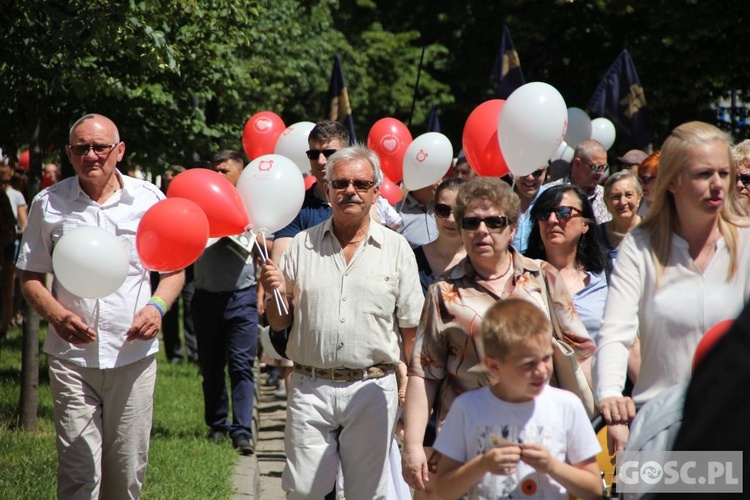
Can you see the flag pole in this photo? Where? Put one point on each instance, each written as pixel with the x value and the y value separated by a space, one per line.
pixel 416 86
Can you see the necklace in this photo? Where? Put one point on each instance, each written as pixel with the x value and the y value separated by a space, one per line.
pixel 510 265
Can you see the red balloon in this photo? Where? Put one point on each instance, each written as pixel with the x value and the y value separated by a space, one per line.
pixel 24 159
pixel 390 191
pixel 709 340
pixel 260 134
pixel 389 138
pixel 480 142
pixel 171 235
pixel 217 197
pixel 309 181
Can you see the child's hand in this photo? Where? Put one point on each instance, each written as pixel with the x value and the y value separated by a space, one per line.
pixel 502 460
pixel 536 455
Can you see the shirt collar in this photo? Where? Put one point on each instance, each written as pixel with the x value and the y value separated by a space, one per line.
pixel 128 187
pixel 374 232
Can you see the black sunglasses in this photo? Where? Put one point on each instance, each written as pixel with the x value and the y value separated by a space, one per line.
pixel 645 179
pixel 743 178
pixel 314 154
pixel 597 168
pixel 562 213
pixel 442 210
pixel 359 184
pixel 492 222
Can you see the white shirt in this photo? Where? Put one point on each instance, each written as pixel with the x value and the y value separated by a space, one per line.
pixel 349 315
pixel 671 319
pixel 555 418
pixel 16 200
pixel 63 207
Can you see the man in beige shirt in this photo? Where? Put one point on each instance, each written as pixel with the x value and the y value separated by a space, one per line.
pixel 353 297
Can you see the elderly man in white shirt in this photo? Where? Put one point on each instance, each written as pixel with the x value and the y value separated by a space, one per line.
pixel 353 294
pixel 102 351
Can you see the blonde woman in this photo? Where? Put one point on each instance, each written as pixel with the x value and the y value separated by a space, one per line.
pixel 684 269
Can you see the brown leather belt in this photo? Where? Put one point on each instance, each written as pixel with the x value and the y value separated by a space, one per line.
pixel 345 374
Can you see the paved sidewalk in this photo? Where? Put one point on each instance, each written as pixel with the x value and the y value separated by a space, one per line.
pixel 258 476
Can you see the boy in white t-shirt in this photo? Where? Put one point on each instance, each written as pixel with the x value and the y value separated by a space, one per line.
pixel 518 437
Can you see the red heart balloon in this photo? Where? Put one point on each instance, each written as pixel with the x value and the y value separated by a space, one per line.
pixel 216 196
pixel 260 134
pixel 171 235
pixel 389 138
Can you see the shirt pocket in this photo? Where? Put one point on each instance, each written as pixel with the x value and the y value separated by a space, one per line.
pixel 126 232
pixel 381 293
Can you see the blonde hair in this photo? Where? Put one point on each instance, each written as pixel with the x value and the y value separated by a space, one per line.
pixel 509 323
pixel 741 153
pixel 661 220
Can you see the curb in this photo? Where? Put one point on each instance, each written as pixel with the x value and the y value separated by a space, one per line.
pixel 246 478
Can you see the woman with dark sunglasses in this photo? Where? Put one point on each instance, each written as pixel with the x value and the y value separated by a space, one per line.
pixel 741 156
pixel 565 235
pixel 434 258
pixel 447 361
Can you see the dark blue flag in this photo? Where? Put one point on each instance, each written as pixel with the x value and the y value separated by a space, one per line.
pixel 433 120
pixel 506 75
pixel 620 98
pixel 341 109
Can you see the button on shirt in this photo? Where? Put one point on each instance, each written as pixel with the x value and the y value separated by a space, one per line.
pixel 64 207
pixel 348 315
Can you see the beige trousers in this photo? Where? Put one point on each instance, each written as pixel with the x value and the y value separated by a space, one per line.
pixel 103 422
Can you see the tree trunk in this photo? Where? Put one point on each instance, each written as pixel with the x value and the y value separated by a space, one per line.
pixel 27 403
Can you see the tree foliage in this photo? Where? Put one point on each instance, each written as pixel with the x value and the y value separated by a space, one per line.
pixel 180 78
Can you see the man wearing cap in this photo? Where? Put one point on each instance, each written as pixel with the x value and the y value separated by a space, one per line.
pixel 588 166
pixel 352 293
pixel 631 160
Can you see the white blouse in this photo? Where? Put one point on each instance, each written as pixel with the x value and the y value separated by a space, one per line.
pixel 671 319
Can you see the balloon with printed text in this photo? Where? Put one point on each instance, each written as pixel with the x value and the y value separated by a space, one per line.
pixel 427 160
pixel 389 138
pixel 272 191
pixel 260 133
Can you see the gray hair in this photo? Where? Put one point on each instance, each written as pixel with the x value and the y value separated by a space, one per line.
pixel 353 153
pixel 618 176
pixel 586 149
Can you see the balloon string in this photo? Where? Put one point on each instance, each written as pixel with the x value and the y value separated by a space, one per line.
pixel 277 295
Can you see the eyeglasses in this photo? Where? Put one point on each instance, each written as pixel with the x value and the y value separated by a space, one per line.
pixel 645 179
pixel 596 168
pixel 443 211
pixel 314 154
pixel 359 184
pixel 561 213
pixel 492 222
pixel 743 178
pixel 99 149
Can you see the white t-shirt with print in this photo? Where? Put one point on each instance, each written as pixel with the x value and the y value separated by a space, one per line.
pixel 556 419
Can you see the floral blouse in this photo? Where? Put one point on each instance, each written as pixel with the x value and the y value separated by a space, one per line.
pixel 449 332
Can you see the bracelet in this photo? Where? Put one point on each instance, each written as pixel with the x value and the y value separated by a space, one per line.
pixel 159 304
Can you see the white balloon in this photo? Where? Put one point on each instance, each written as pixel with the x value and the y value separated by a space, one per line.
pixel 579 127
pixel 564 152
pixel 272 191
pixel 90 262
pixel 212 241
pixel 603 130
pixel 531 126
pixel 427 160
pixel 293 144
